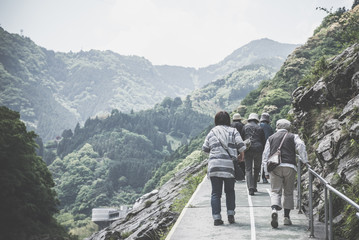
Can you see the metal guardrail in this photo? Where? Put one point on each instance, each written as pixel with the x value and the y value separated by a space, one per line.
pixel 328 204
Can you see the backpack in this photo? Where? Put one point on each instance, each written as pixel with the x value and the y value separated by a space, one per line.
pixel 248 141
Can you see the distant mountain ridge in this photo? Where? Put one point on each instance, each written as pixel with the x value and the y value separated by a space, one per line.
pixel 227 93
pixel 263 51
pixel 53 90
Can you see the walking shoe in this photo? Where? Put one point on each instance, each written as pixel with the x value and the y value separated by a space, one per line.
pixel 287 221
pixel 231 219
pixel 251 191
pixel 255 190
pixel 274 221
pixel 218 222
pixel 265 180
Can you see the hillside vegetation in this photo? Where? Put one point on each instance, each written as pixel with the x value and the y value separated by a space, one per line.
pixel 337 31
pixel 28 200
pixel 109 161
pixel 227 92
pixel 54 91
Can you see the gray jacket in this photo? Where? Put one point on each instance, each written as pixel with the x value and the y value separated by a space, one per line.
pixel 220 164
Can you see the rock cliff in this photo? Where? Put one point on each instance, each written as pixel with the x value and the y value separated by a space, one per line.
pixel 326 115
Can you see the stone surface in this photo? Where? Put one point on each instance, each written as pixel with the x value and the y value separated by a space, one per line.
pixel 337 134
pixel 151 214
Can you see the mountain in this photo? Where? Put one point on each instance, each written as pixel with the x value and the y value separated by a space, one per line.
pixel 263 51
pixel 227 92
pixel 53 91
pixel 337 32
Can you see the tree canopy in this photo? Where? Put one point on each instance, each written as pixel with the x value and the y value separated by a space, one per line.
pixel 28 200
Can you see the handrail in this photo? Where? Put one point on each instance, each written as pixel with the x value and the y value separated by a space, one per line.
pixel 328 201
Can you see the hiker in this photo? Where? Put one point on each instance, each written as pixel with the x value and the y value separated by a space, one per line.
pixel 268 131
pixel 253 156
pixel 222 144
pixel 283 176
pixel 237 123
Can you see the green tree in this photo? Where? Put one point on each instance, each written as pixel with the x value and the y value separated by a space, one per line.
pixel 28 201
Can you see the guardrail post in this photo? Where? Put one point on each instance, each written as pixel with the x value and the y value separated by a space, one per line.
pixel 326 211
pixel 311 217
pixel 299 189
pixel 330 216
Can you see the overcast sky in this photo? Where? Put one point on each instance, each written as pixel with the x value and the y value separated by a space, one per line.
pixel 194 33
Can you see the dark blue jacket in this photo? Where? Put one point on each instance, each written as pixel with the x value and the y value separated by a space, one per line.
pixel 239 126
pixel 268 130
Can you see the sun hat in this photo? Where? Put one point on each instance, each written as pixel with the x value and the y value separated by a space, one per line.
pixel 236 116
pixel 253 116
pixel 265 117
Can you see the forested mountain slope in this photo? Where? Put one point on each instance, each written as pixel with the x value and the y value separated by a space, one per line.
pixel 28 200
pixel 109 160
pixel 227 92
pixel 53 90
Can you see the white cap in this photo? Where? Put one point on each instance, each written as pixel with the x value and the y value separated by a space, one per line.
pixel 283 124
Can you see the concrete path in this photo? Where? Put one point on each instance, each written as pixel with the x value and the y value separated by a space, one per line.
pixel 253 217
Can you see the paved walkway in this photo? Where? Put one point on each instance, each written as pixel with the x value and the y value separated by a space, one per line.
pixel 253 216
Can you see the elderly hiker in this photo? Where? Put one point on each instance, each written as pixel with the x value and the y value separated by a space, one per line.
pixel 268 131
pixel 283 176
pixel 253 156
pixel 222 143
pixel 237 123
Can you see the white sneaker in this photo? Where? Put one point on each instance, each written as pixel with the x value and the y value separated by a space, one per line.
pixel 287 221
pixel 274 221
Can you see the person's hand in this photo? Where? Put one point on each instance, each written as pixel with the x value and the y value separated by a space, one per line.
pixel 241 157
pixel 267 176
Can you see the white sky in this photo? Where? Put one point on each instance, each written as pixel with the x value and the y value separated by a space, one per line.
pixel 194 33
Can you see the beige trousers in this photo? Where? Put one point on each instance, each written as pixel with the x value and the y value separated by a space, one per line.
pixel 282 181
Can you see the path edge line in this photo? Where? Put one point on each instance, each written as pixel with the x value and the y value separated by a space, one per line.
pixel 184 210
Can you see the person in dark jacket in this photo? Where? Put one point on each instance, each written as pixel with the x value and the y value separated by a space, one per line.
pixel 283 176
pixel 253 156
pixel 222 143
pixel 268 131
pixel 237 124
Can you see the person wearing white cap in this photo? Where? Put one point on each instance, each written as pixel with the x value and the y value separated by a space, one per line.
pixel 268 131
pixel 237 124
pixel 283 176
pixel 253 156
